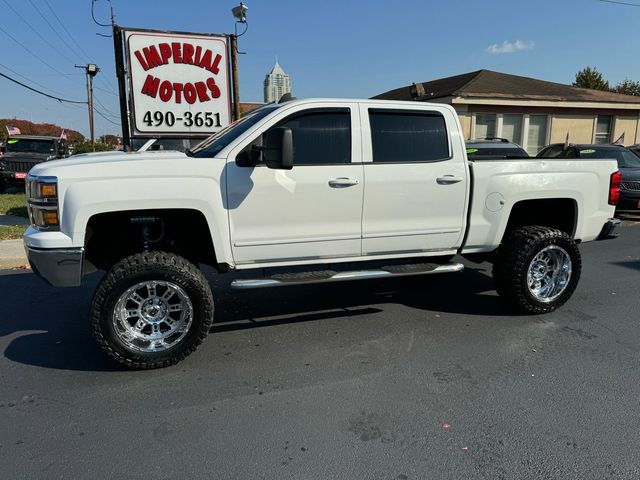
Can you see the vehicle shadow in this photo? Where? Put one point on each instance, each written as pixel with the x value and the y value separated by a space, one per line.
pixel 48 327
pixel 470 292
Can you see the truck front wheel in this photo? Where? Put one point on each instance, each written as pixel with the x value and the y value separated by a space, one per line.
pixel 151 310
pixel 537 269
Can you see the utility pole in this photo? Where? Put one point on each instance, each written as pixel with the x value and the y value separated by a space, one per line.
pixel 91 71
pixel 234 76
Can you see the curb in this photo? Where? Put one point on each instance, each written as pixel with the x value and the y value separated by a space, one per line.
pixel 12 254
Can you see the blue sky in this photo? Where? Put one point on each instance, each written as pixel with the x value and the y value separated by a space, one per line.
pixel 329 48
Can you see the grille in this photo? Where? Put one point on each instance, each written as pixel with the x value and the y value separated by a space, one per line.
pixel 631 185
pixel 17 166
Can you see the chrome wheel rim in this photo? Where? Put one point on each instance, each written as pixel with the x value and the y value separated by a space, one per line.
pixel 549 273
pixel 152 316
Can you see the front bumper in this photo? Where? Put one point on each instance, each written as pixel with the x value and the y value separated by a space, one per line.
pixel 17 178
pixel 61 267
pixel 608 229
pixel 629 201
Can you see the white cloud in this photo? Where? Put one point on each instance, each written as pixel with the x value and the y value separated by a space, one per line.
pixel 511 47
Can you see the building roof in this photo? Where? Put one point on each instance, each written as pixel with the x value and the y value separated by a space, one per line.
pixel 496 85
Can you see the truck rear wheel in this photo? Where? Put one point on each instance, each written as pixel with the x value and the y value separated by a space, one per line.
pixel 537 269
pixel 151 310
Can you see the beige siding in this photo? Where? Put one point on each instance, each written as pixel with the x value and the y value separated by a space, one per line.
pixel 465 121
pixel 626 125
pixel 580 128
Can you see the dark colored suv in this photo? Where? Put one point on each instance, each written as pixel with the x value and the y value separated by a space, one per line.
pixel 22 152
pixel 628 163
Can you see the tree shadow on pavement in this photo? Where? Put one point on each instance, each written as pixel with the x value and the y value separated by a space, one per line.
pixel 50 326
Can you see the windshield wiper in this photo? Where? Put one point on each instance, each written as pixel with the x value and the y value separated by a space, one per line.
pixel 189 152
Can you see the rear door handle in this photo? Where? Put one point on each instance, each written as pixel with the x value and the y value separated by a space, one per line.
pixel 448 179
pixel 342 182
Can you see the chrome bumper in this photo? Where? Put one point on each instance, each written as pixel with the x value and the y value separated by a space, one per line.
pixel 61 267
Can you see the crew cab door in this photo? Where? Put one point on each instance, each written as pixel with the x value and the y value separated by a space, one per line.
pixel 310 212
pixel 416 180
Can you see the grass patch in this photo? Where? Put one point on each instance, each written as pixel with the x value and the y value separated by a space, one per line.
pixel 11 232
pixel 14 204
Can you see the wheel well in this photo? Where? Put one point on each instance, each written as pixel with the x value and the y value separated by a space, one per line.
pixel 112 236
pixel 560 213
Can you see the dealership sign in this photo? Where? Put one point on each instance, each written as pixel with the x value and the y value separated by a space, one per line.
pixel 178 83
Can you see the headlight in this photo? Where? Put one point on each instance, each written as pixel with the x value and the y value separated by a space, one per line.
pixel 42 202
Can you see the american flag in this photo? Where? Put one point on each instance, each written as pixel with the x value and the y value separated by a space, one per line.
pixel 13 130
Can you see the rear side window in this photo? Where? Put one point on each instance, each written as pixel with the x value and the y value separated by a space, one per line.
pixel 321 136
pixel 401 136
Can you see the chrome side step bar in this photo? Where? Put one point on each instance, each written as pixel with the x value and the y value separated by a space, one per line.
pixel 332 276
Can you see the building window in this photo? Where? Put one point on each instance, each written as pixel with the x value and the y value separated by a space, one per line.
pixel 512 128
pixel 603 129
pixel 537 134
pixel 485 125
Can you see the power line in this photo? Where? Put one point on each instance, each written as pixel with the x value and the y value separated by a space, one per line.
pixel 30 51
pixel 81 50
pixel 51 26
pixel 39 91
pixel 34 30
pixel 621 3
pixel 106 110
pixel 105 117
pixel 31 80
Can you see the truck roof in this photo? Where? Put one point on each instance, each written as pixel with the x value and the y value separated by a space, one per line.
pixel 359 100
pixel 34 137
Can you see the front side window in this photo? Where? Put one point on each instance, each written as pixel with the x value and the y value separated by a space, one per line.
pixel 320 136
pixel 399 136
pixel 552 152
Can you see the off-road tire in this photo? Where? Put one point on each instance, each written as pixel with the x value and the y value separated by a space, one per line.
pixel 512 263
pixel 160 266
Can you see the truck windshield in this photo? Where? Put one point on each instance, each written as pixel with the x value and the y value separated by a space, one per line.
pixel 216 142
pixel 28 145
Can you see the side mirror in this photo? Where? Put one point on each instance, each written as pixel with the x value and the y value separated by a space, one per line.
pixel 278 149
pixel 248 158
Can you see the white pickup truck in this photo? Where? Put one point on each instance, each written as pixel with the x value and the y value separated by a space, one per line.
pixel 306 191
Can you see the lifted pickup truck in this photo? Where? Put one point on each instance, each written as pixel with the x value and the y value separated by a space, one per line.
pixel 306 191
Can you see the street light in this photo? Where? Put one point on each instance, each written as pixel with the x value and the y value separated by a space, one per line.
pixel 240 14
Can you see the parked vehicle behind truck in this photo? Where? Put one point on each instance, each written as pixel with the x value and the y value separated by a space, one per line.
pixel 23 152
pixel 303 192
pixel 628 163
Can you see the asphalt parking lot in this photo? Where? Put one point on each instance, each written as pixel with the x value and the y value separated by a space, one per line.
pixel 417 378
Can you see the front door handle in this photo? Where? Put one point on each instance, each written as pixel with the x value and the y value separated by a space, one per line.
pixel 342 182
pixel 448 179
